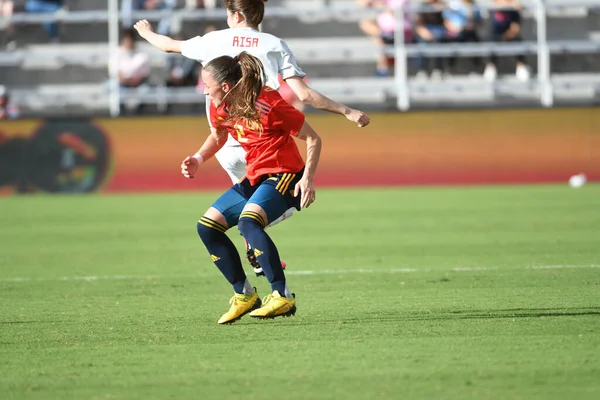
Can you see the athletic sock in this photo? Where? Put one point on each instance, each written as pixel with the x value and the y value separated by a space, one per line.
pixel 251 226
pixel 222 252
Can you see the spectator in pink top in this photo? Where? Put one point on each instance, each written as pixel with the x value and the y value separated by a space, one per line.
pixel 133 65
pixel 6 12
pixel 383 28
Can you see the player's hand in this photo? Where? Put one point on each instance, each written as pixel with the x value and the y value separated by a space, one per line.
pixel 358 117
pixel 143 27
pixel 305 188
pixel 189 167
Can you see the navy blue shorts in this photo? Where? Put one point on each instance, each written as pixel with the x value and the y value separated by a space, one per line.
pixel 274 193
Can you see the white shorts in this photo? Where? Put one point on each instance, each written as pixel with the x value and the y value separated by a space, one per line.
pixel 232 158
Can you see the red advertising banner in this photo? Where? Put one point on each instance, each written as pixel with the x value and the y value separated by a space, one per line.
pixel 442 147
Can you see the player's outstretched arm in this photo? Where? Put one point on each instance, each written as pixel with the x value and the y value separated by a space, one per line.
pixel 309 96
pixel 313 153
pixel 212 144
pixel 161 42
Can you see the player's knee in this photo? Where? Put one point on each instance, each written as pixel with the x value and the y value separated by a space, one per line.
pixel 248 226
pixel 208 230
pixel 204 231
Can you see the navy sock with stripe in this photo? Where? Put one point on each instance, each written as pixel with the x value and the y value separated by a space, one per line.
pixel 223 252
pixel 251 226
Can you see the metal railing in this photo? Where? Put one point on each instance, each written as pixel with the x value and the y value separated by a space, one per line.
pixel 538 9
pixel 539 47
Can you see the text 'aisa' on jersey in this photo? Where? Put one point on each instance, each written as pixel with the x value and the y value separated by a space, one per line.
pixel 245 41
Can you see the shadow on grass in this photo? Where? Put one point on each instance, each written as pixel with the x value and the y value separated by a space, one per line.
pixel 446 315
pixel 27 322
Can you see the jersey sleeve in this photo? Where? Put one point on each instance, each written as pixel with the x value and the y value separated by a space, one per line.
pixel 286 118
pixel 289 67
pixel 194 48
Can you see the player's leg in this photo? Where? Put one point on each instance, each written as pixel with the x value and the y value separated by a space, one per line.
pixel 286 215
pixel 250 252
pixel 211 228
pixel 232 158
pixel 270 200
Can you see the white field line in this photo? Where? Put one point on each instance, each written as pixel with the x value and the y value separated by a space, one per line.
pixel 92 278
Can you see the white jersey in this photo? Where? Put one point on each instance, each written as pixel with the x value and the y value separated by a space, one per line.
pixel 274 53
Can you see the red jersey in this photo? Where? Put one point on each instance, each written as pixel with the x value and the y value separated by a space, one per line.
pixel 272 150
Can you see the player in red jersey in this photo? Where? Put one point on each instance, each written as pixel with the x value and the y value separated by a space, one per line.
pixel 276 178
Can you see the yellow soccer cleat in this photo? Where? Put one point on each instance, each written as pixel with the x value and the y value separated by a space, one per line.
pixel 241 304
pixel 275 305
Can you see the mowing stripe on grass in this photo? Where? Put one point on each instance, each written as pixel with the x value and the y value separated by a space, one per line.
pixel 91 278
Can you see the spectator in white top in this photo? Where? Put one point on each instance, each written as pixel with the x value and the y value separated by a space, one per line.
pixel 133 66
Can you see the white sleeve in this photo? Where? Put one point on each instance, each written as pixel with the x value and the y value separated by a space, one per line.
pixel 194 49
pixel 289 67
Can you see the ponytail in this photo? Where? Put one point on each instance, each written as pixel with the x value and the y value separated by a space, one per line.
pixel 244 72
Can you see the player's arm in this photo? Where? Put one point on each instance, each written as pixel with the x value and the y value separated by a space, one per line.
pixel 212 144
pixel 309 96
pixel 313 153
pixel 161 42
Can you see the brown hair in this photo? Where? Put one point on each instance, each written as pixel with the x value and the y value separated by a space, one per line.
pixel 253 10
pixel 244 73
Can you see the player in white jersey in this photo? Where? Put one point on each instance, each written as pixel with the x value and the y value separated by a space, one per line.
pixel 276 57
pixel 243 19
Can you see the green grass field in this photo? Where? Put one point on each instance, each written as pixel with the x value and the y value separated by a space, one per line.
pixel 453 293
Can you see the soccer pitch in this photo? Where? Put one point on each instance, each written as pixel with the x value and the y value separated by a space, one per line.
pixel 413 293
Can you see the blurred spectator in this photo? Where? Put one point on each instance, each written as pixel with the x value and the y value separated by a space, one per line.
pixel 7 110
pixel 193 4
pixel 383 28
pixel 6 11
pixel 46 6
pixel 430 28
pixel 164 25
pixel 462 18
pixel 506 27
pixel 133 66
pixel 181 71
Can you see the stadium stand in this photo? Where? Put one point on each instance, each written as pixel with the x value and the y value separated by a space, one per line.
pixel 71 77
